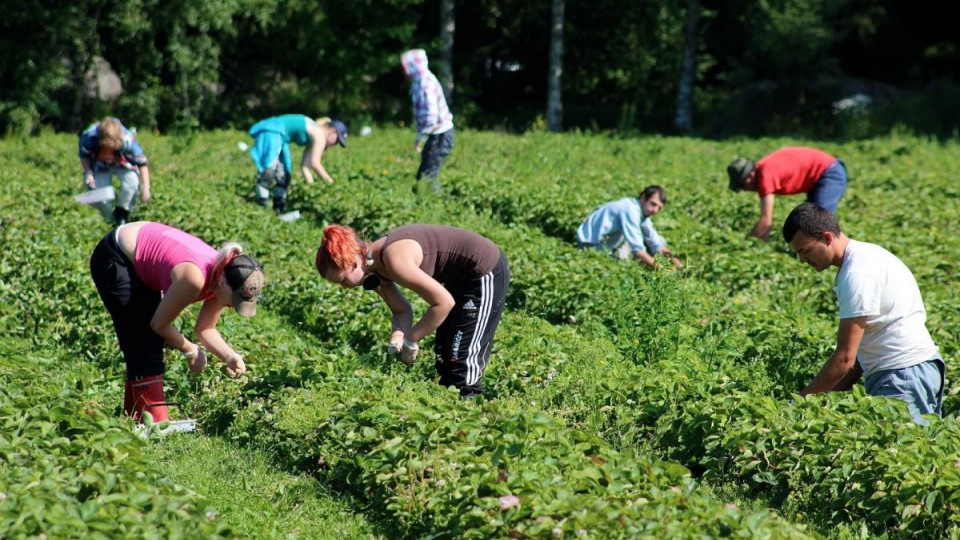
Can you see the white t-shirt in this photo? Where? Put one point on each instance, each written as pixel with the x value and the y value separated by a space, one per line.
pixel 873 282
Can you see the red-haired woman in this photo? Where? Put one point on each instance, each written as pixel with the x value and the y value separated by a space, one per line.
pixel 147 274
pixel 460 274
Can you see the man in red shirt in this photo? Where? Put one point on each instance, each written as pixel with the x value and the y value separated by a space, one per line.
pixel 789 170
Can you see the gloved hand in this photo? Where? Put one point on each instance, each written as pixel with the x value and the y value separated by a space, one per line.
pixel 196 359
pixel 396 344
pixel 408 353
pixel 235 366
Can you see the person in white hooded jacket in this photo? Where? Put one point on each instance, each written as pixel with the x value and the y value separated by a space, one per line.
pixel 434 122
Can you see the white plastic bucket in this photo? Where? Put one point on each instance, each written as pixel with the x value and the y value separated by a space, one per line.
pixel 290 216
pixel 95 196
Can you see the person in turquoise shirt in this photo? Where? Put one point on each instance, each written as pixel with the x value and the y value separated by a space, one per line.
pixel 271 152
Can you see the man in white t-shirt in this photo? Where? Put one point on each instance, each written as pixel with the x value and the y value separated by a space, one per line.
pixel 882 335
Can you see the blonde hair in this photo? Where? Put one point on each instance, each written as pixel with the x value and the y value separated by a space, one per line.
pixel 110 133
pixel 225 255
pixel 323 121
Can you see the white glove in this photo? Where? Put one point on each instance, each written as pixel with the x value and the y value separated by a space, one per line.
pixel 396 344
pixel 235 366
pixel 196 359
pixel 408 354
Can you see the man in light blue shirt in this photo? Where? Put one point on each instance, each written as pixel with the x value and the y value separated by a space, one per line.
pixel 623 227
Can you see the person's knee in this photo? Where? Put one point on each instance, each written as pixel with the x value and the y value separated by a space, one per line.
pixel 265 179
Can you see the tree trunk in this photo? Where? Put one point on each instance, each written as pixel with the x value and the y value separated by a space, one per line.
pixel 554 99
pixel 683 121
pixel 447 27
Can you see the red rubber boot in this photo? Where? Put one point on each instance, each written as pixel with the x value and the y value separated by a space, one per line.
pixel 147 396
pixel 127 396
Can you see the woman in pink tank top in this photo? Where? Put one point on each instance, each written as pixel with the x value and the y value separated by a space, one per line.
pixel 147 274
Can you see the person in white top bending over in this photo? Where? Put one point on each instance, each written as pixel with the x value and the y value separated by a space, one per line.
pixel 882 336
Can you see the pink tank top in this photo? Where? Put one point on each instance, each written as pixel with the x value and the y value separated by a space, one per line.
pixel 161 247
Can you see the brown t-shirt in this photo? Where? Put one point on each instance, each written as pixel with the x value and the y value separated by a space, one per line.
pixel 450 255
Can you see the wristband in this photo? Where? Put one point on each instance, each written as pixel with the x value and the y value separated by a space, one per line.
pixel 190 355
pixel 412 345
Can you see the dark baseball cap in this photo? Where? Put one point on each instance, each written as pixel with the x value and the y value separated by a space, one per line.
pixel 341 132
pixel 245 277
pixel 738 171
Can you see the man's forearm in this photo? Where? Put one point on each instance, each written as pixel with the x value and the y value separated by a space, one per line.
pixel 761 229
pixel 645 258
pixel 832 373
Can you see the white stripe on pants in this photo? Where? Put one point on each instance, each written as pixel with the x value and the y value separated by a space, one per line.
pixel 474 369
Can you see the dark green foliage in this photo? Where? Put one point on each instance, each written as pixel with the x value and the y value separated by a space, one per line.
pixel 761 67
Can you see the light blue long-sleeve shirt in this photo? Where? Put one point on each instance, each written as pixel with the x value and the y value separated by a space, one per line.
pixel 618 221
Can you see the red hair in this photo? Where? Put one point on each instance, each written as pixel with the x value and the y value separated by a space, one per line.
pixel 339 248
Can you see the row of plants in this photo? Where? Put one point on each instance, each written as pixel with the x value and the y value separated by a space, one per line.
pixel 69 468
pixel 64 242
pixel 684 430
pixel 393 206
pixel 696 369
pixel 900 196
pixel 441 468
pixel 915 508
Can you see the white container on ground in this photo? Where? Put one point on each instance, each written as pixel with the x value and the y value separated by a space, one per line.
pixel 175 426
pixel 95 196
pixel 290 216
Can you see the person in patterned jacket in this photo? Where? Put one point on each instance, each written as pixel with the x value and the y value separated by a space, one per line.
pixel 109 149
pixel 434 121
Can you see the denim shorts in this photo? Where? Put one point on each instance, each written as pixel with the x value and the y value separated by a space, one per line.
pixel 920 385
pixel 831 186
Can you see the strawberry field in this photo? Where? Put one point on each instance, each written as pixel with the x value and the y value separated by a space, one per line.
pixel 622 402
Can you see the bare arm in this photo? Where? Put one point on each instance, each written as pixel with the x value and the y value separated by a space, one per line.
pixel 311 160
pixel 206 330
pixel 402 320
pixel 850 379
pixel 645 258
pixel 186 282
pixel 843 360
pixel 401 261
pixel 145 184
pixel 87 172
pixel 665 251
pixel 762 228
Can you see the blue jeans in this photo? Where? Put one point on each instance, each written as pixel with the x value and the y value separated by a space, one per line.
pixel 828 190
pixel 614 246
pixel 129 188
pixel 278 178
pixel 921 386
pixel 435 150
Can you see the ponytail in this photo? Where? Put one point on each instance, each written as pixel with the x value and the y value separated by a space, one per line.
pixel 339 248
pixel 225 255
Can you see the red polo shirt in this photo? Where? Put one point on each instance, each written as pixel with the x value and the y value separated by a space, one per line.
pixel 790 170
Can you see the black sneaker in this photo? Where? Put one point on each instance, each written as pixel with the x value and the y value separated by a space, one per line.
pixel 120 216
